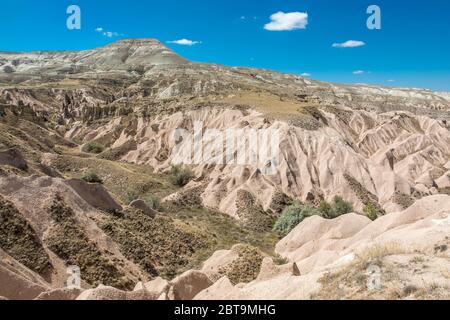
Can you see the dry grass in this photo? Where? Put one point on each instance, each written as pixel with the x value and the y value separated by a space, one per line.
pixel 120 179
pixel 378 252
pixel 265 102
pixel 351 281
pixel 275 107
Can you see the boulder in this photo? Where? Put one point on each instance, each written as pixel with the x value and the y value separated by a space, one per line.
pixel 270 270
pixel 13 158
pixel 444 181
pixel 17 286
pixel 156 287
pixel 217 291
pixel 141 205
pixel 94 194
pixel 110 293
pixel 188 285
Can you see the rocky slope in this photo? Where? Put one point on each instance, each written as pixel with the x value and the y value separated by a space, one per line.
pixel 407 251
pixel 389 147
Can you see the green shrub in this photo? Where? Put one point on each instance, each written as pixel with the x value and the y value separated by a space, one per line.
pixel 51 125
pixel 337 208
pixel 326 210
pixel 292 216
pixel 279 260
pixel 180 176
pixel 91 177
pixel 93 147
pixel 130 196
pixel 77 140
pixel 371 211
pixel 154 203
pixel 340 206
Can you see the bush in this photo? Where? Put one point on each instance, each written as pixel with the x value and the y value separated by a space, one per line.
pixel 292 216
pixel 180 176
pixel 130 196
pixel 93 147
pixel 371 211
pixel 337 208
pixel 77 140
pixel 279 260
pixel 154 203
pixel 91 177
pixel 326 210
pixel 340 206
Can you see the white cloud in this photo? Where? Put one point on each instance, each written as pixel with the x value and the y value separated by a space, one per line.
pixel 184 42
pixel 349 44
pixel 108 34
pixel 359 72
pixel 391 80
pixel 281 21
pixel 306 74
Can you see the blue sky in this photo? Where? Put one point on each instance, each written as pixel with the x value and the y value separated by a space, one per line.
pixel 412 49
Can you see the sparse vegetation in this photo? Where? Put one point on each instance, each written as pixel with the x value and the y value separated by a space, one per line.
pixel 251 213
pixel 279 260
pixel 116 153
pixel 91 177
pixel 159 246
pixel 77 140
pixel 69 242
pixel 326 210
pixel 292 216
pixel 19 239
pixel 351 281
pixel 180 176
pixel 154 203
pixel 364 195
pixel 337 208
pixel 225 231
pixel 131 196
pixel 246 267
pixel 340 206
pixel 111 246
pixel 93 147
pixel 280 201
pixel 371 211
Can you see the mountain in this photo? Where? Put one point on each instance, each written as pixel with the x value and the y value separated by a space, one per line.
pixel 87 173
pixel 120 57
